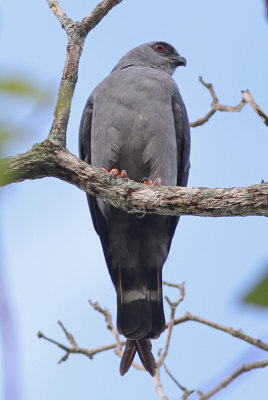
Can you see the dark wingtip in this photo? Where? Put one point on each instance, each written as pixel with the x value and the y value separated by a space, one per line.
pixel 128 356
pixel 144 349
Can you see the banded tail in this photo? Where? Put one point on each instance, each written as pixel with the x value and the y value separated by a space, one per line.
pixel 140 314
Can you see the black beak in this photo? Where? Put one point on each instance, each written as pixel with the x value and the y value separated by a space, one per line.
pixel 178 60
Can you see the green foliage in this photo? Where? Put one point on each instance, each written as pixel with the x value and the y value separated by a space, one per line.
pixel 20 88
pixel 17 89
pixel 259 295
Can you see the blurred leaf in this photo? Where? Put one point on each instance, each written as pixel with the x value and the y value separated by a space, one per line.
pixel 5 136
pixel 21 88
pixel 259 295
pixel 18 88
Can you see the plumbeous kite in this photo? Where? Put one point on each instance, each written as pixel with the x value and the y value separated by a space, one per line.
pixel 135 121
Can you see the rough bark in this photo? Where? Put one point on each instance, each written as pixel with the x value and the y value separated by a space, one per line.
pixel 48 159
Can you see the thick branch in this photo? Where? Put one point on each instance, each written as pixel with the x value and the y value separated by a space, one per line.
pixel 216 106
pixel 98 13
pixel 46 159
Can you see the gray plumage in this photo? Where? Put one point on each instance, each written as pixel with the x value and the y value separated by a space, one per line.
pixel 136 120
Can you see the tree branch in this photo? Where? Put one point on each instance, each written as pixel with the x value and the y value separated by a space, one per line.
pixel 173 306
pixel 110 326
pixel 75 349
pixel 158 386
pixel 238 333
pixel 76 32
pixel 163 354
pixel 187 392
pixel 234 375
pixel 216 106
pixel 98 13
pixel 46 159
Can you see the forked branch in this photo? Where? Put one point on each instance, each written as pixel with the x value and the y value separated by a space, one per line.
pixel 216 106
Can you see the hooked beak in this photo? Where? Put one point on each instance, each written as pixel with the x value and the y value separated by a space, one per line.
pixel 178 60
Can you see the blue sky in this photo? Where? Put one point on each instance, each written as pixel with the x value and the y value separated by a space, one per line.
pixel 52 259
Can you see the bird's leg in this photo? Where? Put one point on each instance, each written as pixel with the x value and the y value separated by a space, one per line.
pixel 114 172
pixel 156 182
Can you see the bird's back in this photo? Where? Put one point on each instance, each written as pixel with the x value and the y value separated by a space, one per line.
pixel 137 137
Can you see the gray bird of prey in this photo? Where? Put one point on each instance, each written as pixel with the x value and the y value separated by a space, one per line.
pixel 135 120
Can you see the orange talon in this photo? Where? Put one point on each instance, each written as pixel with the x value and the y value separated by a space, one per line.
pixel 157 182
pixel 147 181
pixel 123 174
pixel 114 172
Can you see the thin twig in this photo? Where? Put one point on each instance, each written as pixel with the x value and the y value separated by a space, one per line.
pixel 110 326
pixel 68 335
pixel 238 333
pixel 216 106
pixel 76 349
pixel 202 121
pixel 158 385
pixel 247 96
pixel 187 392
pixel 234 375
pixel 173 307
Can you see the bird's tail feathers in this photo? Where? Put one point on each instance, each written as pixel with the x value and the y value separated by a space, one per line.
pixel 144 349
pixel 140 311
pixel 128 356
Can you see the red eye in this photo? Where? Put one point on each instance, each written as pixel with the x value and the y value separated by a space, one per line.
pixel 159 47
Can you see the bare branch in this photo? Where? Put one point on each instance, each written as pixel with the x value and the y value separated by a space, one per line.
pixel 68 335
pixel 63 19
pixel 202 121
pixel 247 97
pixel 234 375
pixel 98 13
pixel 238 333
pixel 110 326
pixel 77 32
pixel 75 349
pixel 187 392
pixel 46 159
pixel 216 106
pixel 170 324
pixel 159 386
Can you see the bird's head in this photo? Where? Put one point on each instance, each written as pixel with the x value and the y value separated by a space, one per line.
pixel 155 54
